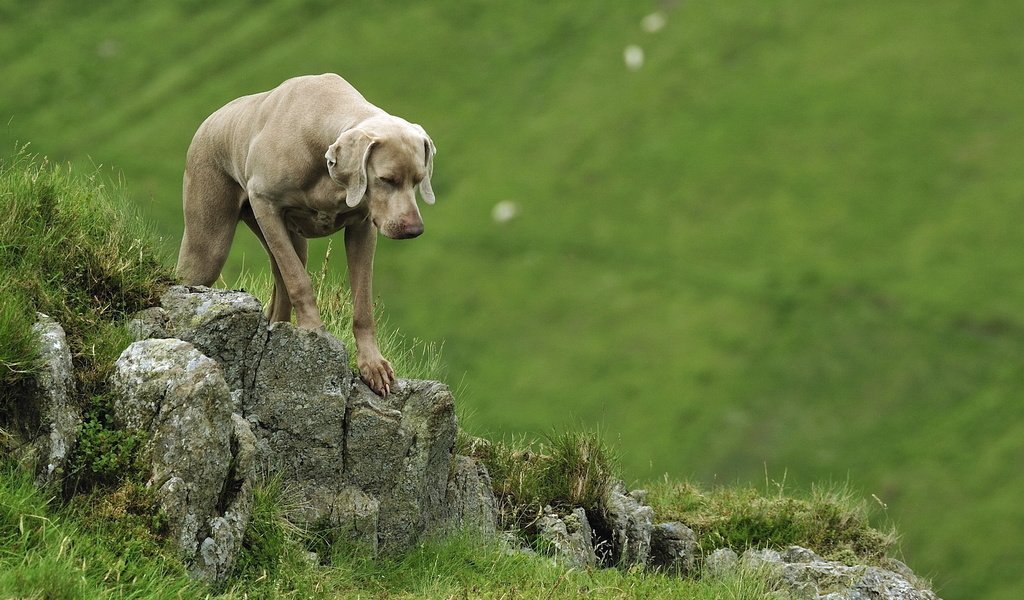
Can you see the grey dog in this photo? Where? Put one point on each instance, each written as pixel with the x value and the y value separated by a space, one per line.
pixel 300 161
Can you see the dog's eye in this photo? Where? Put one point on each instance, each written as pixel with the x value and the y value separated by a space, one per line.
pixel 389 181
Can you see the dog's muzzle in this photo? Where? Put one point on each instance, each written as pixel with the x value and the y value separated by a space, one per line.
pixel 402 230
pixel 406 232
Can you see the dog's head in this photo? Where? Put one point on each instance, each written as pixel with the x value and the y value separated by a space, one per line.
pixel 381 162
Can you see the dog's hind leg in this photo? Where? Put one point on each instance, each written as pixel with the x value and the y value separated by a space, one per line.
pixel 211 202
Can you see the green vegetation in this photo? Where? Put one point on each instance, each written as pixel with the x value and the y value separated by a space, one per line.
pixel 788 239
pixel 69 250
pixel 565 470
pixel 48 552
pixel 73 249
pixel 835 523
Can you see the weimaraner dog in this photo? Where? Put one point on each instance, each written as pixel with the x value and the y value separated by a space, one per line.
pixel 304 160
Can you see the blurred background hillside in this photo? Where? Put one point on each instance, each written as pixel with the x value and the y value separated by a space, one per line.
pixel 772 240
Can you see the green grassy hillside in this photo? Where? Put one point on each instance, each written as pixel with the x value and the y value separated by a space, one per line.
pixel 785 244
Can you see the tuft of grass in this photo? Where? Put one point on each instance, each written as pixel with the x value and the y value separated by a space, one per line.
pixel 832 521
pixel 273 545
pixel 411 358
pixel 564 470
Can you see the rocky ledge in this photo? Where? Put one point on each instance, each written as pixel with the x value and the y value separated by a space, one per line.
pixel 224 397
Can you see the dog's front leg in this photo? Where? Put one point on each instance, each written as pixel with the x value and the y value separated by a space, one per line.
pixel 360 243
pixel 293 272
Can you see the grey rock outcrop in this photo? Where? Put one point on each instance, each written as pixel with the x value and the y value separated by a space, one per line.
pixel 629 523
pixel 674 547
pixel 470 502
pixel 54 420
pixel 807 575
pixel 40 422
pixel 225 325
pixel 569 539
pixel 167 388
pixel 364 467
pixel 399 449
pixel 296 402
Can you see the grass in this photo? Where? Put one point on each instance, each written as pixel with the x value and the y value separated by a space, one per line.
pixel 71 249
pixel 107 552
pixel 564 470
pixel 74 249
pixel 834 522
pixel 788 239
pixel 52 553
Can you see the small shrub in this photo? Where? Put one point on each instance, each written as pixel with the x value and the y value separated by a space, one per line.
pixel 106 454
pixel 564 470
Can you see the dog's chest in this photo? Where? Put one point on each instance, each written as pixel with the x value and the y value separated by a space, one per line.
pixel 321 212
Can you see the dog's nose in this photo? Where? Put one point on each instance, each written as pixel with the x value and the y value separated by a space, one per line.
pixel 411 230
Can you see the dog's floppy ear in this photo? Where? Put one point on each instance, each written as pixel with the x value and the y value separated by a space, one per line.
pixel 346 162
pixel 429 151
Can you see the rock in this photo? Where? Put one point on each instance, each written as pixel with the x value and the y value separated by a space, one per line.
pixel 762 559
pixel 804 573
pixel 225 325
pixel 296 404
pixel 629 524
pixel 358 461
pixel 399 449
pixel 53 419
pixel 217 553
pixel 674 547
pixel 148 323
pixel 169 389
pixel 469 501
pixel 796 554
pixel 343 512
pixel 568 539
pixel 720 562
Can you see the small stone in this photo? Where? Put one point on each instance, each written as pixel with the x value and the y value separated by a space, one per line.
pixel 470 502
pixel 674 547
pixel 797 554
pixel 721 562
pixel 630 523
pixel 570 540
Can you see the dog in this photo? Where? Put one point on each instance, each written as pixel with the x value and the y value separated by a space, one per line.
pixel 304 160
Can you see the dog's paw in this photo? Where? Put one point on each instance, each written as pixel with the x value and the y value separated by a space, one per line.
pixel 378 374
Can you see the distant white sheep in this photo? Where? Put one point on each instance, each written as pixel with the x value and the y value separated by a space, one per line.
pixel 504 211
pixel 653 22
pixel 634 57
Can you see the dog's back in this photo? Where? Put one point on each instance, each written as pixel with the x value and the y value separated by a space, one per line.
pixel 301 116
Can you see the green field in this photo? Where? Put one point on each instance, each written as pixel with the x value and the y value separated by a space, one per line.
pixel 783 248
